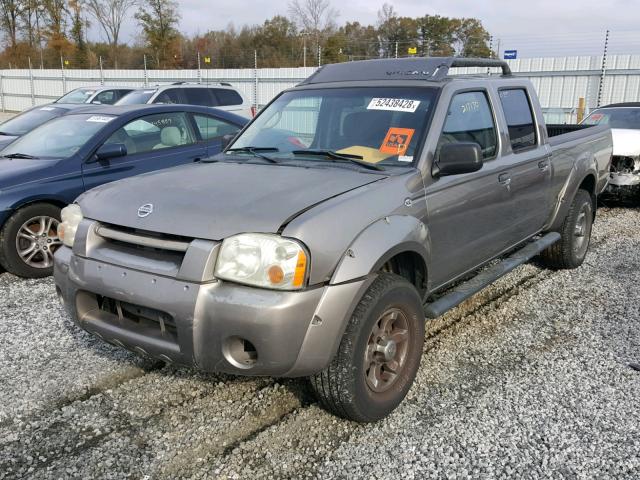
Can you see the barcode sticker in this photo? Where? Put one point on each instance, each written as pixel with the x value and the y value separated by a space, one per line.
pixel 394 104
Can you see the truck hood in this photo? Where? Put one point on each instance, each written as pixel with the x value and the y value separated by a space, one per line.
pixel 626 142
pixel 216 200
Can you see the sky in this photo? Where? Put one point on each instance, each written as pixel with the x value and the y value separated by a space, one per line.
pixel 547 27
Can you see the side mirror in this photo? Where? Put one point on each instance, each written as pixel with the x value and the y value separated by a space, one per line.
pixel 227 139
pixel 111 150
pixel 458 158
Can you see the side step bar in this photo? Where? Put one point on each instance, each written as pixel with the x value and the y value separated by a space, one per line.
pixel 469 288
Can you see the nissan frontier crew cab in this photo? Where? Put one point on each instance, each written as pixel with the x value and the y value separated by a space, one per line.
pixel 371 197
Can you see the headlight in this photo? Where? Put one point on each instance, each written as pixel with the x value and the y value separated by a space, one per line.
pixel 71 218
pixel 262 260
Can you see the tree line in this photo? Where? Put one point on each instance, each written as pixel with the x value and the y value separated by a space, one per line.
pixel 53 33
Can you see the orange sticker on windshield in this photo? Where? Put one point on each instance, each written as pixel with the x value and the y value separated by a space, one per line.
pixel 397 141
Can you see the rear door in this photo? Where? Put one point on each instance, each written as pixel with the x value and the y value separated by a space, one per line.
pixel 529 164
pixel 468 213
pixel 153 142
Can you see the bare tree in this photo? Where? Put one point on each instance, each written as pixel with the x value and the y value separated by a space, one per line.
pixel 315 17
pixel 110 14
pixel 9 14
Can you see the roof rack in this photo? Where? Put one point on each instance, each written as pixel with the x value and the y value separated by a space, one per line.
pixel 454 62
pixel 415 68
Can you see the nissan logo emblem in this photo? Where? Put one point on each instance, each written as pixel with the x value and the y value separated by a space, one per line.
pixel 145 210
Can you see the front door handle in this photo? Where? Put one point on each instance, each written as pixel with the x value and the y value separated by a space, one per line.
pixel 543 165
pixel 504 179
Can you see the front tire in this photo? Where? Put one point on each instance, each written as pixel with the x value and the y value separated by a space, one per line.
pixel 570 251
pixel 379 354
pixel 29 239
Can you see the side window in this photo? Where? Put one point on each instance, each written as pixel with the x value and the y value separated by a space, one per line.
pixel 470 120
pixel 199 96
pixel 154 132
pixel 171 95
pixel 227 97
pixel 108 97
pixel 517 112
pixel 211 128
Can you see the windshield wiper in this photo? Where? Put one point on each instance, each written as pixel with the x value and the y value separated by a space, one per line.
pixel 20 155
pixel 255 151
pixel 348 157
pixel 7 134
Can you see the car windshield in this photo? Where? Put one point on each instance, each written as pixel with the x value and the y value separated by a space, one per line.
pixel 377 125
pixel 137 97
pixel 622 117
pixel 59 138
pixel 79 95
pixel 27 121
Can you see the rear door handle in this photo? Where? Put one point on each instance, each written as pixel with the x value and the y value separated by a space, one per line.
pixel 504 179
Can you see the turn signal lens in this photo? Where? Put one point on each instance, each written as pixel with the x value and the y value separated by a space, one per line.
pixel 301 270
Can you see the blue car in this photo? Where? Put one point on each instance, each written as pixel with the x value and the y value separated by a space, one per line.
pixel 49 167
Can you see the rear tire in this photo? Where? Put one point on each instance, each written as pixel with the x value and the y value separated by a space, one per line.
pixel 28 240
pixel 570 251
pixel 379 354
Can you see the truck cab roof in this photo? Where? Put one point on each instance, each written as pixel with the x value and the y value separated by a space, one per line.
pixel 431 69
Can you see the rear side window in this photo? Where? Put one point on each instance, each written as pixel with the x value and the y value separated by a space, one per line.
pixel 171 95
pixel 517 112
pixel 227 97
pixel 199 96
pixel 211 128
pixel 470 120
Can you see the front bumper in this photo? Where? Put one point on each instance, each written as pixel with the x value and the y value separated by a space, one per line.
pixel 293 333
pixel 624 179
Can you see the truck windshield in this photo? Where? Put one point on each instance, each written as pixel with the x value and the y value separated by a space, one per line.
pixel 377 125
pixel 30 119
pixel 59 138
pixel 137 97
pixel 623 117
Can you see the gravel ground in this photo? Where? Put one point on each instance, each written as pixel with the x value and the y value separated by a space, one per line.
pixel 528 379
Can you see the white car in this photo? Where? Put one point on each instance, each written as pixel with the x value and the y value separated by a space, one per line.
pixel 624 120
pixel 220 95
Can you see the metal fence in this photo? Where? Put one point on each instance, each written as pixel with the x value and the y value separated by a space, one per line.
pixel 559 81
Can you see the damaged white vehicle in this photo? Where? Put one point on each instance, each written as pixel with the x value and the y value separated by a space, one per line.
pixel 624 120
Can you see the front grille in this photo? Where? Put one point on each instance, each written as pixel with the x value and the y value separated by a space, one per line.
pixel 143 240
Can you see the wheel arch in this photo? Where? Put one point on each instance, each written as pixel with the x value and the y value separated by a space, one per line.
pixel 32 201
pixel 397 244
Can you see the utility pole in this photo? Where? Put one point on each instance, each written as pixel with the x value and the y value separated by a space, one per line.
pixel 101 70
pixel 146 75
pixel 319 56
pixel 199 71
pixel 396 49
pixel 603 70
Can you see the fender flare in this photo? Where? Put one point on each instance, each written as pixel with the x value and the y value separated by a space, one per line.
pixel 380 241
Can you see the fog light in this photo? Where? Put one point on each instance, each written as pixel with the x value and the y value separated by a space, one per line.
pixel 240 352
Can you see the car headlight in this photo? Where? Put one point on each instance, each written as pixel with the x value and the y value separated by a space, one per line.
pixel 71 218
pixel 263 260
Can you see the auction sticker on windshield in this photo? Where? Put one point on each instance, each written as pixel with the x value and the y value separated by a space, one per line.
pixel 99 119
pixel 397 141
pixel 394 104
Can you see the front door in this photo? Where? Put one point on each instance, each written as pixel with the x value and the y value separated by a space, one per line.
pixel 468 213
pixel 153 142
